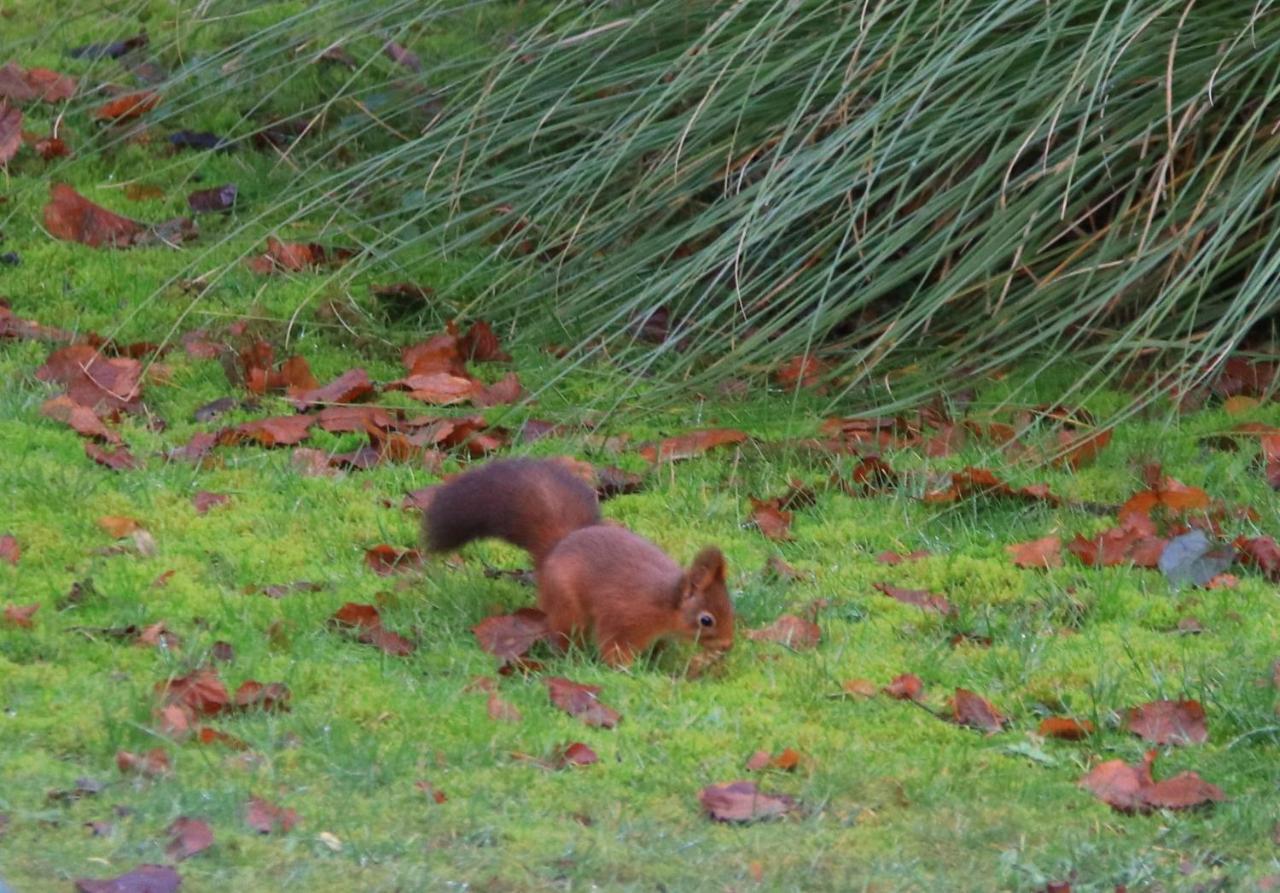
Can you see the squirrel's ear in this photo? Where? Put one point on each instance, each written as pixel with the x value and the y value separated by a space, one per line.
pixel 707 569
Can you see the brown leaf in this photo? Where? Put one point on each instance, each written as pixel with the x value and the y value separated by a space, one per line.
pixel 1076 450
pixel 575 754
pixel 369 630
pixel 51 147
pixel 694 443
pixel 581 701
pixel 893 558
pixel 863 688
pixel 117 460
pixel 921 598
pixel 1039 554
pixel 73 218
pixel 153 764
pixel 770 519
pixel 10 132
pixel 204 500
pixel 18 85
pixel 975 711
pixel 128 106
pixel 907 687
pixel 501 710
pixel 350 387
pixel 294 257
pixel 16 327
pixel 386 560
pixel 787 760
pixel 272 697
pixel 82 419
pixel 270 432
pixel 93 380
pixel 510 636
pixel 1132 542
pixel 505 390
pixel 1065 727
pixel 1169 722
pixel 201 690
pixel 802 371
pixel 793 632
pixel 1261 552
pixel 265 818
pixel 742 801
pixel 480 344
pixel 188 837
pixel 1182 791
pixel 143 879
pixel 10 550
pixel 209 201
pixel 974 482
pixel 1119 784
pixel 20 615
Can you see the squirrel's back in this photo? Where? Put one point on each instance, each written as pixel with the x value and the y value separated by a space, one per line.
pixel 530 503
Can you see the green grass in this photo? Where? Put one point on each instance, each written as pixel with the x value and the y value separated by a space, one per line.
pixel 893 798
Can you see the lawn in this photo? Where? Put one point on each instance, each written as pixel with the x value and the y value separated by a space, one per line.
pixel 399 776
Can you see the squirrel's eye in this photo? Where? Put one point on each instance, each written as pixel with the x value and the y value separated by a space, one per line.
pixel 706 619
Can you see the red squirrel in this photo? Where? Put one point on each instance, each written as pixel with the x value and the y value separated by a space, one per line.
pixel 594 579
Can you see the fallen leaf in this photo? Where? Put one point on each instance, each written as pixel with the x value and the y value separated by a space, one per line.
pixel 1169 722
pixel 742 801
pixel 921 598
pixel 265 818
pixel 802 371
pixel 295 257
pixel 769 517
pixel 20 615
pixel 975 482
pixel 369 629
pixel 201 690
pixel 1129 788
pixel 73 218
pixel 1041 554
pixel 863 688
pixel 791 631
pixel 10 132
pixel 1182 791
pixel 1076 450
pixel 510 636
pixel 402 56
pixel 1065 728
pixel 1261 552
pixel 18 85
pixel 216 199
pixel 501 710
pixel 975 711
pixel 350 387
pixel 128 106
pixel 1192 558
pixel 272 697
pixel 575 754
pixel 143 879
pixel 92 380
pixel 505 390
pixel 10 551
pixel 787 760
pixel 153 764
pixel 188 837
pixel 51 147
pixel 431 791
pixel 581 701
pixel 385 560
pixel 893 558
pixel 117 460
pixel 204 500
pixel 907 687
pixel 83 420
pixel 694 443
pixel 270 432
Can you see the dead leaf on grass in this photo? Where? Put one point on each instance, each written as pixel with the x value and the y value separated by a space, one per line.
pixel 266 818
pixel 975 711
pixel 1169 722
pixel 791 631
pixel 510 636
pixel 1040 554
pixel 581 701
pixel 742 801
pixel 188 837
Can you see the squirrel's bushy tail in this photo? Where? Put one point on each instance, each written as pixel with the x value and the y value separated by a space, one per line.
pixel 530 503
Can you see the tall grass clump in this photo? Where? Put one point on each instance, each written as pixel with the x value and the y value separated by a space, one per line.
pixel 911 191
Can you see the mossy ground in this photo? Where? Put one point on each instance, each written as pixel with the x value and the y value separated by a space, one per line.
pixel 893 798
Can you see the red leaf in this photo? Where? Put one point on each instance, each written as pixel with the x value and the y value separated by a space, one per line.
pixel 10 551
pixel 73 218
pixel 480 344
pixel 386 560
pixel 770 519
pixel 51 147
pixel 975 711
pixel 204 500
pixel 575 754
pixel 506 390
pixel 1169 722
pixel 153 764
pixel 358 616
pixel 266 818
pixel 130 105
pixel 117 460
pixel 20 615
pixel 1261 552
pixel 365 619
pixel 269 432
pixel 201 690
pixel 919 597
pixel 510 636
pixel 742 801
pixel 581 701
pixel 793 632
pixel 1042 553
pixel 350 387
pixel 1065 728
pixel 907 687
pixel 93 380
pixel 18 85
pixel 187 837
pixel 802 371
pixel 82 419
pixel 973 482
pixel 10 132
pixel 294 257
pixel 273 696
pixel 694 443
pixel 143 879
pixel 1182 791
pixel 1077 450
pixel 1119 784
